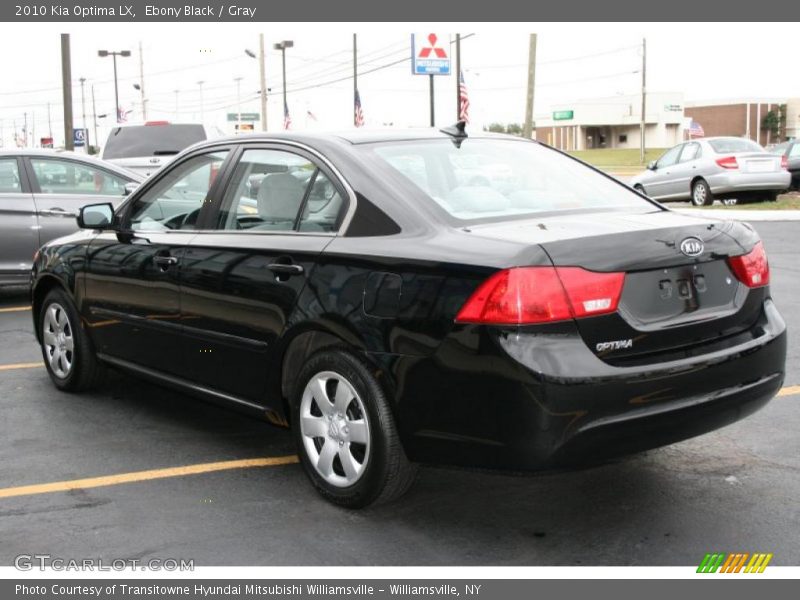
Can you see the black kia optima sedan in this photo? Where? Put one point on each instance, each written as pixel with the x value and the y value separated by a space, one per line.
pixel 416 296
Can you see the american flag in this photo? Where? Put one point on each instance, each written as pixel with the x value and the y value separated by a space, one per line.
pixel 287 119
pixel 463 97
pixel 358 116
pixel 696 130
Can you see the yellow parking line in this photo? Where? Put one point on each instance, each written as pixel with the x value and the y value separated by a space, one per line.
pixel 789 391
pixel 92 482
pixel 14 309
pixel 31 365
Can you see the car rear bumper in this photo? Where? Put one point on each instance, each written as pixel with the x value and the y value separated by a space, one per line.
pixel 722 183
pixel 529 401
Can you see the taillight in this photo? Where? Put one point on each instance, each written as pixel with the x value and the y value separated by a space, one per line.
pixel 729 162
pixel 784 162
pixel 526 295
pixel 156 123
pixel 752 269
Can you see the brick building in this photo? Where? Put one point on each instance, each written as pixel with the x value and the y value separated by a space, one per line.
pixel 739 118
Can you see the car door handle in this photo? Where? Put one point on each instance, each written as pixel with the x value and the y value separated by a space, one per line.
pixel 285 269
pixel 165 261
pixel 58 212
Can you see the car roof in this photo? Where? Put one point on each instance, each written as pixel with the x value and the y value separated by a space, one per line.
pixel 359 136
pixel 77 156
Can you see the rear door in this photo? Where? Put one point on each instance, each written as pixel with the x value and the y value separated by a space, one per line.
pixel 685 170
pixel 243 273
pixel 19 235
pixel 133 277
pixel 61 186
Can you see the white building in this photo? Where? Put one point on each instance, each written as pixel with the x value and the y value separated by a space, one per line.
pixel 614 122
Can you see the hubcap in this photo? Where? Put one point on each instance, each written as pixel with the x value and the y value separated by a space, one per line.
pixel 699 194
pixel 335 430
pixel 58 341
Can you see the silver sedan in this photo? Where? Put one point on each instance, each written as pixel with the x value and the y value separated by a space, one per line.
pixel 714 168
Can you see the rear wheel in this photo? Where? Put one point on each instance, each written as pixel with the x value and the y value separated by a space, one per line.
pixel 67 351
pixel 701 193
pixel 345 432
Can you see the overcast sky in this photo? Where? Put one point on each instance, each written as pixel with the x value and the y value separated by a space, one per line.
pixel 575 61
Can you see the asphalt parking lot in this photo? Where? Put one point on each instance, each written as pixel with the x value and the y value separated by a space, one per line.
pixel 732 490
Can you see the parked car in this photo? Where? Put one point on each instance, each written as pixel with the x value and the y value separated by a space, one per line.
pixel 40 194
pixel 717 167
pixel 790 153
pixel 145 148
pixel 393 311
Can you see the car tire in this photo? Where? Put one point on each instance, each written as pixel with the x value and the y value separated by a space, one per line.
pixel 771 197
pixel 346 434
pixel 67 351
pixel 640 188
pixel 701 193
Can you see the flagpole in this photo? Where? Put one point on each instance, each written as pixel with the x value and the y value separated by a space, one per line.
pixel 355 77
pixel 458 76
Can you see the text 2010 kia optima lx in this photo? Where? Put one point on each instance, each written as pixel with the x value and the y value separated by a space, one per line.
pixel 416 296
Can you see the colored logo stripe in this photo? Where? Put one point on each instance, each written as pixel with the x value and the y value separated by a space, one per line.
pixel 733 563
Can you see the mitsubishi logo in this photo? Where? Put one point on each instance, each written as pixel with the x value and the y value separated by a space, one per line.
pixel 426 52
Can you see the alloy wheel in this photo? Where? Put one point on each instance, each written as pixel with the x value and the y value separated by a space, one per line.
pixel 58 340
pixel 334 428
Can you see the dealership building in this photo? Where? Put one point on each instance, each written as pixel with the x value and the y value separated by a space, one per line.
pixel 615 122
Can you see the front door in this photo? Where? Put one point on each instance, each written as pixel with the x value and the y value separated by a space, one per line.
pixel 133 277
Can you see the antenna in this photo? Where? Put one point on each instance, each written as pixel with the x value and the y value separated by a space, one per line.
pixel 457 132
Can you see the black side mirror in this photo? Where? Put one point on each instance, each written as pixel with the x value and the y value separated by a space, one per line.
pixel 129 188
pixel 96 216
pixel 652 165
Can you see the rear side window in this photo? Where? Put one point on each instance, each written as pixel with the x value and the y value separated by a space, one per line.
pixel 795 151
pixel 151 140
pixel 57 176
pixel 276 190
pixel 725 145
pixel 690 152
pixel 9 176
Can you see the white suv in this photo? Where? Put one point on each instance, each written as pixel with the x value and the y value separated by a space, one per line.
pixel 145 148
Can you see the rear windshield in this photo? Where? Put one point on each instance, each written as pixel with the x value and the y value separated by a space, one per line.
pixel 151 140
pixel 734 145
pixel 488 178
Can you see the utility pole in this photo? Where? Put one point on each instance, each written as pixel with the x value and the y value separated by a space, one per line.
pixel 94 115
pixel 355 77
pixel 25 129
pixel 83 110
pixel 33 130
pixel 458 77
pixel 263 74
pixel 176 103
pixel 66 85
pixel 141 83
pixel 527 130
pixel 644 97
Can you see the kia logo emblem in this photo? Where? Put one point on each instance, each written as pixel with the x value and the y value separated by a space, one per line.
pixel 692 246
pixel 155 161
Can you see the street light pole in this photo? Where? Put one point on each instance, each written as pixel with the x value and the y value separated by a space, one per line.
pixel 141 83
pixel 282 46
pixel 202 116
pixel 83 110
pixel 238 81
pixel 114 54
pixel 94 117
pixel 176 104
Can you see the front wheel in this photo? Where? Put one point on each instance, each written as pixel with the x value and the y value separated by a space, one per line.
pixel 67 351
pixel 640 188
pixel 701 193
pixel 345 432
